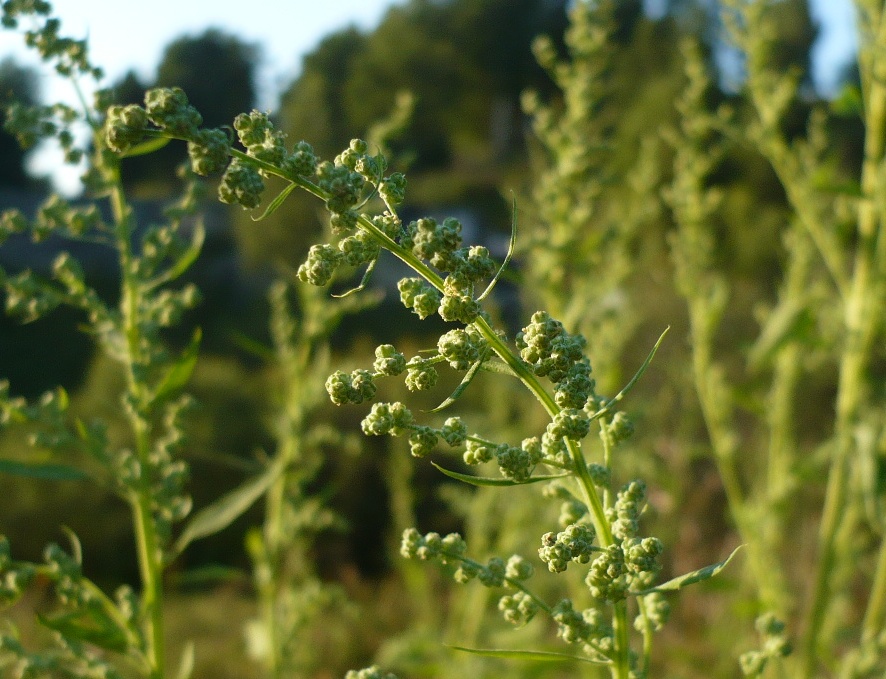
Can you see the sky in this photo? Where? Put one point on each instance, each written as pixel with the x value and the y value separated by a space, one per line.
pixel 126 35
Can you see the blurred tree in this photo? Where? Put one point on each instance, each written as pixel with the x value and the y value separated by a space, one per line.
pixel 17 83
pixel 466 62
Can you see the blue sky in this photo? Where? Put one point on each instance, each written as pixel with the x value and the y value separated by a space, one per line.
pixel 127 35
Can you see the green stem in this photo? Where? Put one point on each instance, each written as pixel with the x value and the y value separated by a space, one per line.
pixel 149 550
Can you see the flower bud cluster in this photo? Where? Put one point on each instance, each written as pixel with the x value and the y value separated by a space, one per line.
pixel 389 361
pixel 461 347
pixel 775 645
pixel 323 260
pixel 608 578
pixel 551 351
pixel 421 374
pixel 242 185
pixel 448 549
pixel 354 387
pixel 71 56
pixel 657 611
pixel 168 109
pixel 575 543
pixel 419 295
pixel 629 505
pixel 576 627
pixel 125 126
pixel 618 429
pixel 518 608
pixel 387 418
pixel 516 464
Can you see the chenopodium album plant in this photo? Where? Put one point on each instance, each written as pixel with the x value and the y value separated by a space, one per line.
pixel 603 533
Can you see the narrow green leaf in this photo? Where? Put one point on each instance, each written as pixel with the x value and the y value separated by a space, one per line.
pixel 630 385
pixel 545 656
pixel 367 275
pixel 224 511
pixel 179 372
pixel 89 625
pixel 276 203
pixel 690 578
pixel 148 146
pixel 47 472
pixel 512 246
pixel 496 480
pixel 460 389
pixel 189 256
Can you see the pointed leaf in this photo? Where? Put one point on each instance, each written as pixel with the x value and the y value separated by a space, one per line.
pixel 460 389
pixel 148 146
pixel 630 385
pixel 276 203
pixel 224 511
pixel 179 372
pixel 691 578
pixel 189 256
pixel 546 656
pixel 496 480
pixel 47 472
pixel 367 275
pixel 512 246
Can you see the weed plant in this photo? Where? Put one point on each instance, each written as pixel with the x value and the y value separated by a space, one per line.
pixel 607 600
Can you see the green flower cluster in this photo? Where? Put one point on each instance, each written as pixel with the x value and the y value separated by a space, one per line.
pixel 461 347
pixel 632 562
pixel 553 352
pixel 518 608
pixel 575 543
pixel 355 387
pixel 588 626
pixel 516 464
pixel 775 645
pixel 71 56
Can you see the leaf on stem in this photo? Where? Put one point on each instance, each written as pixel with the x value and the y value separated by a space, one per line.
pixel 180 372
pixel 146 147
pixel 630 385
pixel 276 203
pixel 363 281
pixel 460 389
pixel 512 245
pixel 546 656
pixel 682 581
pixel 224 511
pixel 496 480
pixel 47 472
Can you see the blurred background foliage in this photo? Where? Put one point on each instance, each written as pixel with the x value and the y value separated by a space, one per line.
pixel 468 148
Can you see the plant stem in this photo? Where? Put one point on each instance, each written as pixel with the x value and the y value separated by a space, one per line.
pixel 149 551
